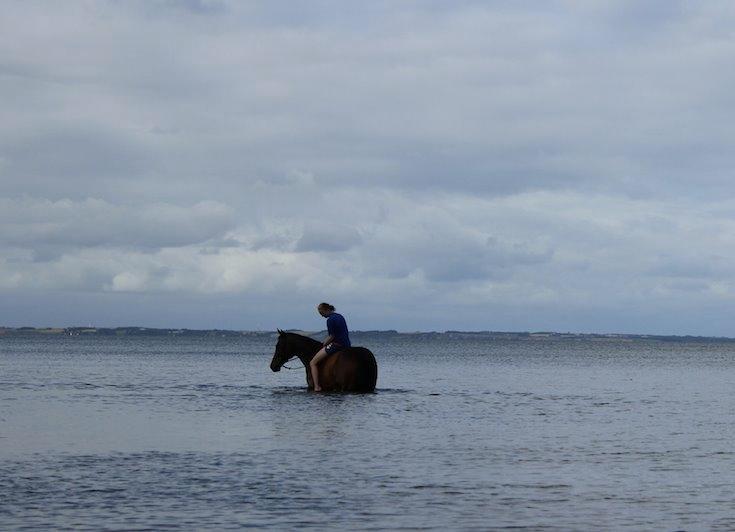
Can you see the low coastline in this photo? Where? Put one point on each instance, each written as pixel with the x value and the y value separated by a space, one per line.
pixel 478 335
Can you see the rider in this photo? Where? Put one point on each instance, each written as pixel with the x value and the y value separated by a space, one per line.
pixel 338 339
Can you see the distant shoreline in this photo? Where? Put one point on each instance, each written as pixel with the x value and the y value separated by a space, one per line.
pixel 490 335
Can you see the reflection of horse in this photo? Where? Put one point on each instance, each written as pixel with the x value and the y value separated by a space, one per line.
pixel 351 370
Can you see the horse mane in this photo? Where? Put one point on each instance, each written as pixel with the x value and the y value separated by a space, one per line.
pixel 301 337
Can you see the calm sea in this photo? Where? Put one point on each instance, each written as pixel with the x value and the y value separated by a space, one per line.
pixel 143 433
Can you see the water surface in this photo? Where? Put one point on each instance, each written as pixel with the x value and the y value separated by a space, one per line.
pixel 197 433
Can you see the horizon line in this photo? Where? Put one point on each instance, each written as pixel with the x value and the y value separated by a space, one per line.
pixel 268 331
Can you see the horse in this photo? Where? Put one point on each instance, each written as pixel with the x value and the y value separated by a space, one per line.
pixel 352 369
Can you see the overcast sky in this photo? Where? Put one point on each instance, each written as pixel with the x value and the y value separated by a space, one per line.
pixel 425 165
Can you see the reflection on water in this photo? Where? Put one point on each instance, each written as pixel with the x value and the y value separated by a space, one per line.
pixel 152 433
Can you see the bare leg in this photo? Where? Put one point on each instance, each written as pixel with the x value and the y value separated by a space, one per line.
pixel 314 370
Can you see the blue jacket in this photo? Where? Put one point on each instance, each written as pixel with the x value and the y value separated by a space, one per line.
pixel 337 329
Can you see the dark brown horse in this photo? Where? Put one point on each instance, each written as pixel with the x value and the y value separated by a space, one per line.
pixel 351 370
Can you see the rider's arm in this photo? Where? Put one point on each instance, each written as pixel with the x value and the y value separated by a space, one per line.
pixel 329 340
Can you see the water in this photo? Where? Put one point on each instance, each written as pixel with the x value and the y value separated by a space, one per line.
pixel 154 433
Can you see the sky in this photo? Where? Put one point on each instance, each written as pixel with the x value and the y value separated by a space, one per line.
pixel 421 165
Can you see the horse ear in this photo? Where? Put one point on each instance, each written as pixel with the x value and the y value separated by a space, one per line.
pixel 280 332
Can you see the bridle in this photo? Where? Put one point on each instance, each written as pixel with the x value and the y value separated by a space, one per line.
pixel 291 358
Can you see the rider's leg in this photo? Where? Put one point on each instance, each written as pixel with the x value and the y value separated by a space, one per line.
pixel 314 370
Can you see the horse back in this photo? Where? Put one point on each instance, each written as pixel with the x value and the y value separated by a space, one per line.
pixel 353 369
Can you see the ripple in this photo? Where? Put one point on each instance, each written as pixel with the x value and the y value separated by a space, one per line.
pixel 152 435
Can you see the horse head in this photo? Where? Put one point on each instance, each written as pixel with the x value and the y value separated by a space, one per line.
pixel 282 353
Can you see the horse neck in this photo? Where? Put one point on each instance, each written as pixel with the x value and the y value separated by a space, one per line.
pixel 305 347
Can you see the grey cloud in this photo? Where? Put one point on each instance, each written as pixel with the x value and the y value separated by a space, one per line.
pixel 493 260
pixel 589 140
pixel 706 267
pixel 51 226
pixel 75 155
pixel 202 7
pixel 42 252
pixel 273 241
pixel 215 246
pixel 328 237
pixel 444 105
pixel 688 285
pixel 436 241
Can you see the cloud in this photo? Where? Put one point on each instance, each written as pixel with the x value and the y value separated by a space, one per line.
pixel 485 98
pixel 65 224
pixel 329 237
pixel 527 160
pixel 596 254
pixel 74 154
